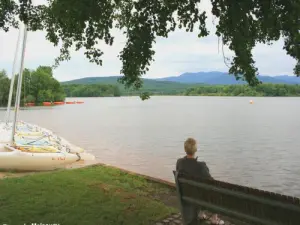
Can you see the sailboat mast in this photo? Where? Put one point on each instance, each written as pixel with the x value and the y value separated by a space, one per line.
pixel 12 82
pixel 18 96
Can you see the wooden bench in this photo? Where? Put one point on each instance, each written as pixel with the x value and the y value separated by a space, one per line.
pixel 238 202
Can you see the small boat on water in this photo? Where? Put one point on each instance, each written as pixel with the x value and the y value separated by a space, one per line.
pixel 47 103
pixel 59 103
pixel 30 104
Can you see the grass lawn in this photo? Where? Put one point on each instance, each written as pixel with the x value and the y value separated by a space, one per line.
pixel 98 195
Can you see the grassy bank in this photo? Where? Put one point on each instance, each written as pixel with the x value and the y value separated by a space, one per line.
pixel 93 195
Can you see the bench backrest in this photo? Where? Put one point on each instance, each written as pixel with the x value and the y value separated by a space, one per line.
pixel 239 202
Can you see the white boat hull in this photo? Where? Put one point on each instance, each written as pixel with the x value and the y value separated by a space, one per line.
pixel 24 161
pixel 13 159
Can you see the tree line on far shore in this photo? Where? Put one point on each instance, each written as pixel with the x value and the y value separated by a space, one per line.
pixel 266 89
pixel 37 86
pixel 40 86
pixel 91 90
pixel 109 90
pixel 85 88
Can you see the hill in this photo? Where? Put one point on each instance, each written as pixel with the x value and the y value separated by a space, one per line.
pixel 150 85
pixel 108 86
pixel 93 80
pixel 220 78
pixel 187 80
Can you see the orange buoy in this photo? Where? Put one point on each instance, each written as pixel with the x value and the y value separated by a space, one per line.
pixel 71 102
pixel 79 102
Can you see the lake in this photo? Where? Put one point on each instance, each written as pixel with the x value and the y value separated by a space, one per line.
pixel 249 144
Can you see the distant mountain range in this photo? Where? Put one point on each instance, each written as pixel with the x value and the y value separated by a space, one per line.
pixel 220 78
pixel 149 85
pixel 187 79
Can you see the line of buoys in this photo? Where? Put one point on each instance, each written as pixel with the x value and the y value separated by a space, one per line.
pixel 75 102
pixel 57 103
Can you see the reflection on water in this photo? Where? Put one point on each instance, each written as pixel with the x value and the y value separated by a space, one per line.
pixel 249 144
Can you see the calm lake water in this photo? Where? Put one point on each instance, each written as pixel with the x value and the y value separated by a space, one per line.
pixel 256 145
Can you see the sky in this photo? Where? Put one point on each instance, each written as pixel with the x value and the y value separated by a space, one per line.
pixel 181 52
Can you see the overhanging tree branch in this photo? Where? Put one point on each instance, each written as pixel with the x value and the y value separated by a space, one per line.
pixel 242 24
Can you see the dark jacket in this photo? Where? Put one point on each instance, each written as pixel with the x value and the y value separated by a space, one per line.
pixel 191 166
pixel 194 168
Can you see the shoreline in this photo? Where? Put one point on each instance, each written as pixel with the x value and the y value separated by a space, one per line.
pixel 3 107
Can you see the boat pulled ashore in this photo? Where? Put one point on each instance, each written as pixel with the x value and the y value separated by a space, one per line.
pixel 37 149
pixel 28 147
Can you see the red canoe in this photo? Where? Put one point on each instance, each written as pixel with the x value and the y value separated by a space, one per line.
pixel 59 103
pixel 30 104
pixel 47 103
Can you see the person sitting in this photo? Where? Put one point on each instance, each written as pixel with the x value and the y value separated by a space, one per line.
pixel 190 165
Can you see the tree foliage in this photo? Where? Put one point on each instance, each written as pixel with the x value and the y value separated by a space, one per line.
pixel 4 88
pixel 38 86
pixel 107 90
pixel 41 86
pixel 91 90
pixel 241 25
pixel 270 90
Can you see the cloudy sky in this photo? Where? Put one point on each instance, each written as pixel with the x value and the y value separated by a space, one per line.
pixel 181 52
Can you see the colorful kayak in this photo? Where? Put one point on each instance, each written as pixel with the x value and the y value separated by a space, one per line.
pixel 42 142
pixel 36 149
pixel 27 133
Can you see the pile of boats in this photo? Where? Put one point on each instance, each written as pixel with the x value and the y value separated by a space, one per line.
pixel 27 147
pixel 35 148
